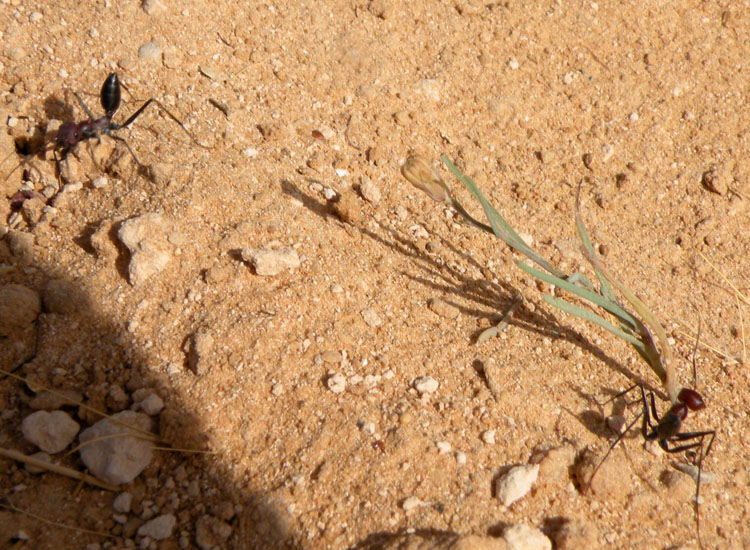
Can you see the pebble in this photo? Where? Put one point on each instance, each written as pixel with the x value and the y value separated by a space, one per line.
pixel 152 7
pixel 117 459
pixel 410 503
pixel 425 384
pixel 372 319
pixel 369 191
pixel 250 152
pixel 100 183
pixel 443 447
pixel 430 88
pixel 555 464
pixel 211 532
pixel 514 484
pixel 50 431
pixel 122 503
pixel 524 537
pixel 717 179
pixel 442 308
pixel 19 308
pixel 269 263
pixel 347 208
pixel 152 404
pixel 158 528
pixel 336 383
pixel 332 356
pixel 201 346
pixel 50 401
pixel 144 236
pixel 61 297
pixel 513 64
pixel 460 457
pixel 149 51
pixel 35 17
pixel 577 534
pixel 488 436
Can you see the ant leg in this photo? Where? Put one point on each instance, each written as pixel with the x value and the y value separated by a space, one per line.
pixel 135 158
pixel 165 110
pixel 85 108
pixel 690 436
pixel 617 440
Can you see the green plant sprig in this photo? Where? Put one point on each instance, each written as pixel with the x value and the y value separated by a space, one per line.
pixel 632 328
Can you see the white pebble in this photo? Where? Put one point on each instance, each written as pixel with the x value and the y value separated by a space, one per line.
pixel 515 483
pixel 410 503
pixel 460 457
pixel 149 50
pixel 524 537
pixel 336 383
pixel 425 384
pixel 100 182
pixel 488 436
pixel 633 117
pixel 122 502
pixel 250 152
pixel 443 447
pixel 513 64
pixel 271 262
pixel 329 194
pixel 12 122
pixel 372 319
pixel 35 17
pixel 277 389
pixel 341 172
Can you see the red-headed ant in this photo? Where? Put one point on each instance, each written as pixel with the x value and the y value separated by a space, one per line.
pixel 71 133
pixel 666 431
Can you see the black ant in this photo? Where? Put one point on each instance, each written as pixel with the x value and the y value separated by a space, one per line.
pixel 71 133
pixel 667 430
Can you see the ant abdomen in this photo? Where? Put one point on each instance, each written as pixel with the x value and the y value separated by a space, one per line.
pixel 110 94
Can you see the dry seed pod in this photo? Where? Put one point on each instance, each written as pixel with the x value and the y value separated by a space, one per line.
pixel 417 170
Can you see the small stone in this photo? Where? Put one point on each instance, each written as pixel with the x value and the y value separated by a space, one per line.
pixel 111 453
pixel 277 389
pixel 145 238
pixel 425 384
pixel 430 88
pixel 211 532
pixel 555 464
pixel 460 457
pixel 250 152
pixel 201 346
pixel 410 503
pixel 717 179
pixel 336 383
pixel 158 528
pixel 48 401
pixel 269 263
pixel 347 208
pixel 372 319
pixel 50 431
pixel 152 7
pixel 607 152
pixel 442 308
pixel 513 64
pixel 616 423
pixel 523 537
pixel 443 447
pixel 62 297
pixel 149 51
pixel 369 191
pixel 514 484
pixel 332 356
pixel 19 308
pixel 152 404
pixel 122 503
pixel 211 72
pixel 488 436
pixel 588 161
pixel 100 183
pixel 577 534
pixel 35 17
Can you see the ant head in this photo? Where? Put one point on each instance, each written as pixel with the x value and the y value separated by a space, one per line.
pixel 110 94
pixel 68 135
pixel 692 399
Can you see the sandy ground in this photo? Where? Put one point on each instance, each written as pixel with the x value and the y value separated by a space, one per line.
pixel 299 104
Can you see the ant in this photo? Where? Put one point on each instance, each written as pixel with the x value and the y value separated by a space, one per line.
pixel 71 133
pixel 667 430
